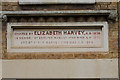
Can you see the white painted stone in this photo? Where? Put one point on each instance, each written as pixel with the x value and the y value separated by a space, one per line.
pixel 103 47
pixel 26 2
pixel 68 68
pixel 63 12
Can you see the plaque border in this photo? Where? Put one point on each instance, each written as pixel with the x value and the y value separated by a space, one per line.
pixel 105 47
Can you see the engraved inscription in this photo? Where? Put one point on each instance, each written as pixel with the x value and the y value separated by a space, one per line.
pixel 57 38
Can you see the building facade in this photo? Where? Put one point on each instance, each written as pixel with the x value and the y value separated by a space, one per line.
pixel 47 20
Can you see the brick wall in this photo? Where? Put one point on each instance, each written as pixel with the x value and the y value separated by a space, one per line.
pixel 113 29
pixel 14 6
pixel 119 26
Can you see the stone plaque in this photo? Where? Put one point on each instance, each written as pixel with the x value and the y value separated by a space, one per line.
pixel 57 37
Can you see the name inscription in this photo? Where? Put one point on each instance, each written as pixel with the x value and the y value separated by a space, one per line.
pixel 56 38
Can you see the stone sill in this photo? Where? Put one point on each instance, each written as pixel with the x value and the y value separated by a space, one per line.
pixel 63 12
pixel 111 13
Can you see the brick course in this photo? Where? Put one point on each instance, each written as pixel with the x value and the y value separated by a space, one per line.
pixel 13 6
